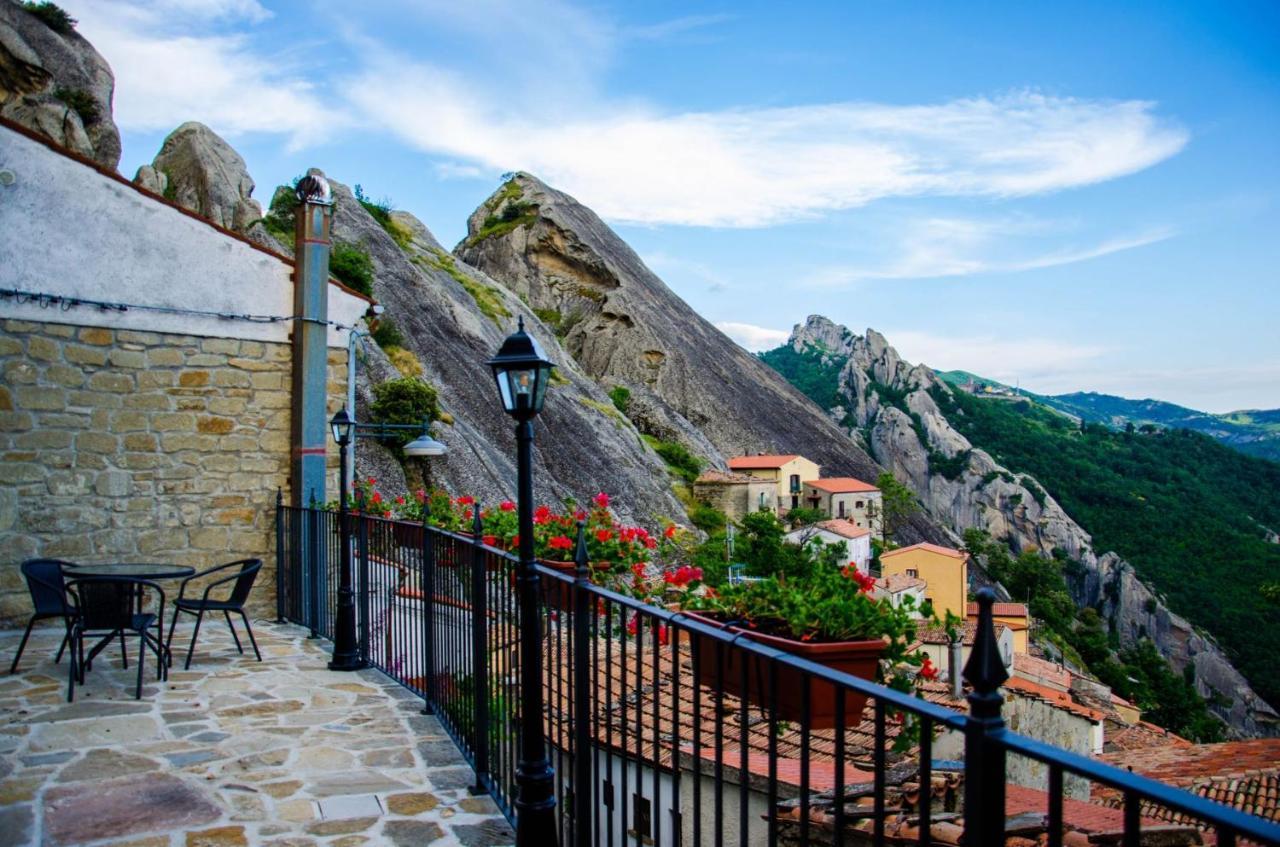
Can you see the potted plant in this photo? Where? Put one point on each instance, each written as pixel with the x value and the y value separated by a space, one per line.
pixel 616 553
pixel 827 616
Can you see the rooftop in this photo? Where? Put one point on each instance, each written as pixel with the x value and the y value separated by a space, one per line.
pixel 898 582
pixel 843 527
pixel 761 461
pixel 715 477
pixel 927 547
pixel 938 634
pixel 840 485
pixel 232 752
pixel 1006 610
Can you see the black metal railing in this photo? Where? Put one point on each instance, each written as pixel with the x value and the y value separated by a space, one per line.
pixel 667 729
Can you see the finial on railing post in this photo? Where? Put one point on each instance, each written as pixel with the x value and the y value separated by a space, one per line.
pixel 583 781
pixel 984 760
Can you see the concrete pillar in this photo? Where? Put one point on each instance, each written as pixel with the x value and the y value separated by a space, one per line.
pixel 310 331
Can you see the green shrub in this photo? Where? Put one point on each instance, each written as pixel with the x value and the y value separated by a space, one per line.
pixel 621 397
pixel 679 460
pixel 404 401
pixel 386 334
pixel 53 16
pixel 488 298
pixel 351 265
pixel 81 102
pixel 380 211
pixel 708 518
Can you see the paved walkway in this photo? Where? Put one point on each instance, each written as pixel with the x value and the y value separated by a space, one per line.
pixel 232 752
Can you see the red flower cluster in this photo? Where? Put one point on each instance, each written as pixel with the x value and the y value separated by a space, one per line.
pixel 682 576
pixel 927 671
pixel 560 542
pixel 865 581
pixel 507 506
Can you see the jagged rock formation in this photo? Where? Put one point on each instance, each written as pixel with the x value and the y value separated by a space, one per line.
pixel 688 381
pixel 454 318
pixel 889 401
pixel 201 172
pixel 54 82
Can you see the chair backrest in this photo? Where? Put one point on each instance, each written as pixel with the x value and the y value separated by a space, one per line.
pixel 45 582
pixel 244 582
pixel 105 602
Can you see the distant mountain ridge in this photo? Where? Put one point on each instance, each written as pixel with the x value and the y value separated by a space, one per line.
pixel 1252 431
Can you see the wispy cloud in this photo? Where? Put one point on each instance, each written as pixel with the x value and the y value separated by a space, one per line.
pixel 950 247
pixel 1004 358
pixel 757 167
pixel 754 337
pixel 675 26
pixel 173 65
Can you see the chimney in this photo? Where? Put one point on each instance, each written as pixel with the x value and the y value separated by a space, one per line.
pixel 310 425
pixel 953 669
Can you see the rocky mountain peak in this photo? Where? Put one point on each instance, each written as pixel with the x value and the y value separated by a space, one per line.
pixel 54 82
pixel 202 172
pixel 819 333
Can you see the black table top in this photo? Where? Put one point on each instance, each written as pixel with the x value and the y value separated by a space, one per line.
pixel 135 570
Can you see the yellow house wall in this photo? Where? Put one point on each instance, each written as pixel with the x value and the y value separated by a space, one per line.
pixel 947 578
pixel 801 467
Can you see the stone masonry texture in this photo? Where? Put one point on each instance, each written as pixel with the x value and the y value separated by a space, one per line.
pixel 118 445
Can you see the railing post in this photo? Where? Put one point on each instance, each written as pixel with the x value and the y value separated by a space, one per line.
pixel 427 582
pixel 362 546
pixel 280 555
pixel 583 675
pixel 984 760
pixel 313 557
pixel 479 653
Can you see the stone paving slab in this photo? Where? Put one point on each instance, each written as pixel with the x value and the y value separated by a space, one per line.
pixel 232 752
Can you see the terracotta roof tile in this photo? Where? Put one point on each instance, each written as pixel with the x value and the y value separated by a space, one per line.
pixel 1053 697
pixel 1040 670
pixel 1008 610
pixel 924 545
pixel 840 485
pixel 895 582
pixel 1242 774
pixel 715 477
pixel 752 462
pixel 938 634
pixel 843 527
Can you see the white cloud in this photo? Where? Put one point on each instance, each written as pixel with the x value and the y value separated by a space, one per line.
pixel 675 26
pixel 754 337
pixel 170 69
pixel 950 247
pixel 756 167
pixel 995 357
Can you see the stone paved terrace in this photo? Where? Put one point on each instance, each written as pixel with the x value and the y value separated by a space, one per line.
pixel 232 752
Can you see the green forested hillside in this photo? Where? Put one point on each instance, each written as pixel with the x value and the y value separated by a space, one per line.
pixel 1189 513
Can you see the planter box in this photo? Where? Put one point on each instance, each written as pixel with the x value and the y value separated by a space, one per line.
pixel 857 658
pixel 408 534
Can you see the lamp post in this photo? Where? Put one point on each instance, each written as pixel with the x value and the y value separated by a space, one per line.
pixel 522 372
pixel 346 650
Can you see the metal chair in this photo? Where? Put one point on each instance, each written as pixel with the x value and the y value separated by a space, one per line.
pixel 242 584
pixel 48 600
pixel 112 606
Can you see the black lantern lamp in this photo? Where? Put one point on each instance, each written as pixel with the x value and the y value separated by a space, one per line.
pixel 343 427
pixel 346 648
pixel 523 372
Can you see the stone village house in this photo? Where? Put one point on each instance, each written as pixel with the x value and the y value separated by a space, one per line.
pixel 157 428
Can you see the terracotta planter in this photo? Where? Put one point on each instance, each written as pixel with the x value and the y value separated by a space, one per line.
pixel 408 534
pixel 556 594
pixel 857 658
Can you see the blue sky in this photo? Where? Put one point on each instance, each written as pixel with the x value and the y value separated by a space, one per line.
pixel 1079 196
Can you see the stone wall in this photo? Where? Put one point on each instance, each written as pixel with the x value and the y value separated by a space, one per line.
pixel 124 445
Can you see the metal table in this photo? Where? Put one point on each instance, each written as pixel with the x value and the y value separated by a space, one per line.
pixel 132 570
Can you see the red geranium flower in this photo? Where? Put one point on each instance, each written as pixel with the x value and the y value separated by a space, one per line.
pixel 603 535
pixel 508 506
pixel 560 542
pixel 465 500
pixel 601 500
pixel 491 540
pixel 670 531
pixel 542 514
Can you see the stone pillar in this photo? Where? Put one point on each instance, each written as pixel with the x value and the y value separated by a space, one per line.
pixel 310 353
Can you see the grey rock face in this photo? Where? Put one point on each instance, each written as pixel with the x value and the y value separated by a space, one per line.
pixel 988 496
pixel 56 84
pixel 582 445
pixel 623 326
pixel 204 174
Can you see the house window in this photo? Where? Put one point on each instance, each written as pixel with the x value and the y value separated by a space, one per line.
pixel 858 505
pixel 795 483
pixel 842 508
pixel 913 573
pixel 795 501
pixel 641 819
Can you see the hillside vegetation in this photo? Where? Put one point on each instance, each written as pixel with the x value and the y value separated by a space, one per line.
pixel 1187 512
